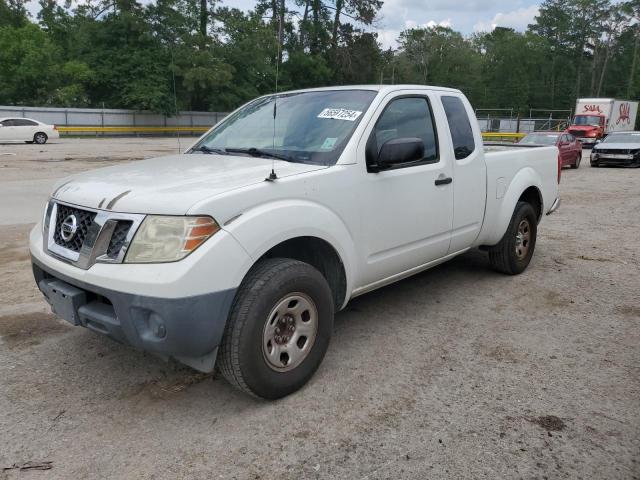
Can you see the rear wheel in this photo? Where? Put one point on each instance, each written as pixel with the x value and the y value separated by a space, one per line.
pixel 513 254
pixel 278 330
pixel 40 138
pixel 576 163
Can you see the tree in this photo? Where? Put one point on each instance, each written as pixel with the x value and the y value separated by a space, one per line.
pixel 632 8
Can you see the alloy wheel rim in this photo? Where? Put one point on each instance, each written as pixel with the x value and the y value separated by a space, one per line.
pixel 290 331
pixel 523 239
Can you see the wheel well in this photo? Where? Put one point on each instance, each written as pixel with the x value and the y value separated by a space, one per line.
pixel 532 196
pixel 319 254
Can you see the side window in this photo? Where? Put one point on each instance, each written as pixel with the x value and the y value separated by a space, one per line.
pixel 8 123
pixel 408 117
pixel 461 132
pixel 19 122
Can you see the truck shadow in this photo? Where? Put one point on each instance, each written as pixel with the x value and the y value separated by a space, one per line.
pixel 80 364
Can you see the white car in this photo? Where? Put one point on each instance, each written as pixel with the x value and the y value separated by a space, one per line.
pixel 241 250
pixel 26 130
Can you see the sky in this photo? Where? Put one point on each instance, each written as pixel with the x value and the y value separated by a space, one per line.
pixel 466 16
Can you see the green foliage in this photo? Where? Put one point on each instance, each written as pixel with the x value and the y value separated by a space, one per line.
pixel 121 53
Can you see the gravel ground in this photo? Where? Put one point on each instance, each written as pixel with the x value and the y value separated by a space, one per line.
pixel 458 372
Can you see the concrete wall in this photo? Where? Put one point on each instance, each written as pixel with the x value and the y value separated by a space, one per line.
pixel 109 117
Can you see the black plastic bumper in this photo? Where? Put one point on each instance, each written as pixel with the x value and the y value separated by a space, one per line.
pixel 188 329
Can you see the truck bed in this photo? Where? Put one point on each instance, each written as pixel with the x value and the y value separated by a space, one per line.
pixel 508 165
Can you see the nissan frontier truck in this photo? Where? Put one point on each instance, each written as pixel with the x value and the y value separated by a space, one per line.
pixel 237 254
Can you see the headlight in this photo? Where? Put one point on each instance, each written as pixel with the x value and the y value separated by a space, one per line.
pixel 168 239
pixel 44 214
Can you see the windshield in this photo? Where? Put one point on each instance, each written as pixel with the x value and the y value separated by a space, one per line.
pixel 623 138
pixel 587 120
pixel 309 127
pixel 540 139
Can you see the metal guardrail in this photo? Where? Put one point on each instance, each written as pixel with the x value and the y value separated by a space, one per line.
pixel 502 136
pixel 90 129
pixel 108 121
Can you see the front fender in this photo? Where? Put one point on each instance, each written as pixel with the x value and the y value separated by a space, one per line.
pixel 262 227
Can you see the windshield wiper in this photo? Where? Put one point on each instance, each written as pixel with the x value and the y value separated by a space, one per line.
pixel 256 152
pixel 211 151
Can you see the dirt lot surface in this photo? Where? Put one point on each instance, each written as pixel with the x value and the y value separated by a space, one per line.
pixel 27 172
pixel 458 372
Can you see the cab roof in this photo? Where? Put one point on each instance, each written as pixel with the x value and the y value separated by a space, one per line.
pixel 378 88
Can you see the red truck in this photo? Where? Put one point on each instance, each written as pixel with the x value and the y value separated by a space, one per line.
pixel 595 118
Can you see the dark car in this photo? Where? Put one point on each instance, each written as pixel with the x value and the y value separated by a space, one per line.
pixel 569 147
pixel 617 149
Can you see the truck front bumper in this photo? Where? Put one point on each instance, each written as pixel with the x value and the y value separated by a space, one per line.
pixel 587 141
pixel 188 329
pixel 174 310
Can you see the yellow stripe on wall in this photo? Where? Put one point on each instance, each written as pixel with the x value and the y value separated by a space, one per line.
pixel 131 129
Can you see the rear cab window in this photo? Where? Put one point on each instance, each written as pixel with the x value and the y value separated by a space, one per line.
pixel 460 127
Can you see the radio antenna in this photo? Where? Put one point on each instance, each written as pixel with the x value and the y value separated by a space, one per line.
pixel 272 176
pixel 175 97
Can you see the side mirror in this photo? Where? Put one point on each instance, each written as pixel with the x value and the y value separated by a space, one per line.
pixel 400 150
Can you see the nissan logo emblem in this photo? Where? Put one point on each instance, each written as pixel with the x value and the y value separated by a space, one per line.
pixel 69 228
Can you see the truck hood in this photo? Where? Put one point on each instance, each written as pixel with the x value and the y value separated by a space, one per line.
pixel 169 185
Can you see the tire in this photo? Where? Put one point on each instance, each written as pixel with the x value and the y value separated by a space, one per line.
pixel 253 357
pixel 576 164
pixel 512 255
pixel 40 138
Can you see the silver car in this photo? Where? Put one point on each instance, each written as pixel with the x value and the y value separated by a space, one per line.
pixel 621 149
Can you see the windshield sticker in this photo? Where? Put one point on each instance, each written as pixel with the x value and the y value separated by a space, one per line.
pixel 329 143
pixel 340 114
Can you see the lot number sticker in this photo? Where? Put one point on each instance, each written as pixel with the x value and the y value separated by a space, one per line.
pixel 340 114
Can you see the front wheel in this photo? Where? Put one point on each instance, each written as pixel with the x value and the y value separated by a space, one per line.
pixel 40 138
pixel 513 254
pixel 278 330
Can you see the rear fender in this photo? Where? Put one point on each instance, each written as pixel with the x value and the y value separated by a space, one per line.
pixel 525 178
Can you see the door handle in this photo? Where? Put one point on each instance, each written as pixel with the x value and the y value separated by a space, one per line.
pixel 443 180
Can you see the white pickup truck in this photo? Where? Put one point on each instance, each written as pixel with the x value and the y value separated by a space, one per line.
pixel 241 250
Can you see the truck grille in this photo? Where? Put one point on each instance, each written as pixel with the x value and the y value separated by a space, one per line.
pixel 622 151
pixel 118 238
pixel 100 236
pixel 84 219
pixel 577 133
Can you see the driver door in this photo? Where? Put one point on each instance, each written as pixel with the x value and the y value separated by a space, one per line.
pixel 407 210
